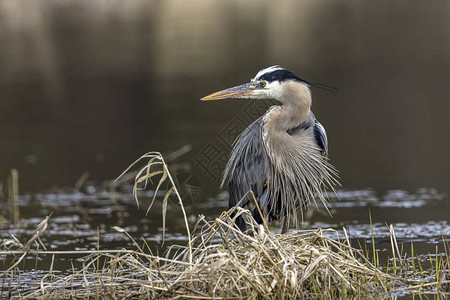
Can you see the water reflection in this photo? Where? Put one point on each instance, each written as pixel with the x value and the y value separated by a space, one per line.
pixel 91 86
pixel 86 87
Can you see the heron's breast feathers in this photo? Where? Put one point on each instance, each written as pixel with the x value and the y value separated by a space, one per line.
pixel 298 173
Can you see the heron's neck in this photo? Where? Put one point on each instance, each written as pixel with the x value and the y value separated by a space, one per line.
pixel 295 109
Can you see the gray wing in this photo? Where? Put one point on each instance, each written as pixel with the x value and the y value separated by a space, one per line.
pixel 246 167
pixel 321 137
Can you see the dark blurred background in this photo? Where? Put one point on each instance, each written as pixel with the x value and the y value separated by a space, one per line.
pixel 88 86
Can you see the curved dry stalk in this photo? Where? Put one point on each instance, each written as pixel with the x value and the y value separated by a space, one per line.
pixel 145 174
pixel 25 249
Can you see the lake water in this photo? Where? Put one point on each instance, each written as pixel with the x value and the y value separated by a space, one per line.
pixel 86 87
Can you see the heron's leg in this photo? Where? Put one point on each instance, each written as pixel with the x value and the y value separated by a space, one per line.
pixel 266 214
pixel 265 209
pixel 285 225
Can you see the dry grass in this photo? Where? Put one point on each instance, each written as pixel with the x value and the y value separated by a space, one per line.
pixel 224 263
pixel 218 262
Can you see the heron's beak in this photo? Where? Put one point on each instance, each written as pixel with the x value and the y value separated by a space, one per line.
pixel 240 91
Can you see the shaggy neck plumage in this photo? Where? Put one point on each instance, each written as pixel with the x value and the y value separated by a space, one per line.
pixel 296 100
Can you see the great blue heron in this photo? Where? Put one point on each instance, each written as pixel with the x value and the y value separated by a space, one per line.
pixel 282 156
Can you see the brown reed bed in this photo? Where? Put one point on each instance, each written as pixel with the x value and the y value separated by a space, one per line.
pixel 221 262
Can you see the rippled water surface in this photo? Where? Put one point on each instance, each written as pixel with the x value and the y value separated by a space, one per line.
pixel 79 218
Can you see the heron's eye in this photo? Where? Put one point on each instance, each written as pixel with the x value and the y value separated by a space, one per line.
pixel 262 84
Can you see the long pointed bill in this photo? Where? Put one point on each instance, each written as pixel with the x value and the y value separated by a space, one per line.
pixel 240 91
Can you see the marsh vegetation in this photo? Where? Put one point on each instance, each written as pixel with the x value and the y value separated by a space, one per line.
pixel 215 260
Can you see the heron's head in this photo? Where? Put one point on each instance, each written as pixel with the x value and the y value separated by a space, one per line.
pixel 270 83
